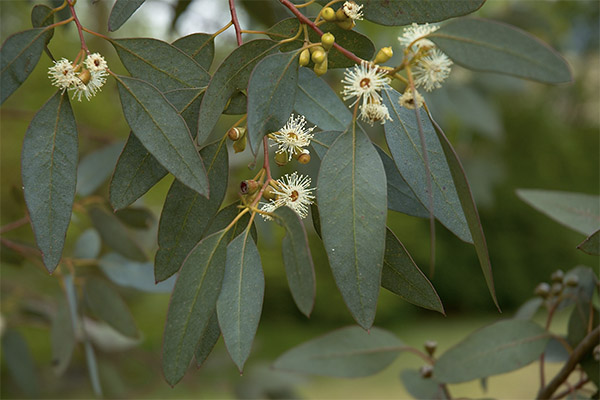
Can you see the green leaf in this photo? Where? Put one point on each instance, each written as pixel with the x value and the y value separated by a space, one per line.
pixel 529 308
pixel 348 353
pixel 351 40
pixel 297 259
pixel 114 234
pixel 19 55
pixel 199 46
pixel 49 173
pixel 238 104
pixel 92 365
pixel 591 245
pixel 401 276
pixel 162 132
pixel 501 347
pixel 96 167
pixel 231 76
pixel 42 16
pixel 240 303
pixel 319 104
pixel 19 362
pixel 271 95
pixel 186 215
pixel 404 12
pixel 208 339
pixel 161 64
pixel 402 135
pixel 578 211
pixel 121 11
pixel 469 208
pixel 62 339
pixel 127 273
pixel 485 45
pixel 421 388
pixel 224 218
pixel 88 245
pixel 353 209
pixel 106 303
pixel 192 304
pixel 136 217
pixel 584 291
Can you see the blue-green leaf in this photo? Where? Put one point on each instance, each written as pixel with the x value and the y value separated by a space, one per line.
pixel 132 274
pixel 88 244
pixel 19 362
pixel 121 11
pixel 62 338
pixel 96 167
pixel 199 46
pixel 420 387
pixel 208 339
pixel 404 12
pixel 591 245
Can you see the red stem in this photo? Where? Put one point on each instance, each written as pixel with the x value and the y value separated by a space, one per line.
pixel 236 23
pixel 79 27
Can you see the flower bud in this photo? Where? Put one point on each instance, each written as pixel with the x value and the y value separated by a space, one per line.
pixel 346 24
pixel 85 76
pixel 249 186
pixel 430 346
pixel 557 288
pixel 383 55
pixel 303 157
pixel 240 144
pixel 426 371
pixel 318 56
pixel 340 15
pixel 327 40
pixel 542 290
pixel 269 193
pixel 321 69
pixel 557 276
pixel 572 281
pixel 281 158
pixel 328 14
pixel 236 133
pixel 304 58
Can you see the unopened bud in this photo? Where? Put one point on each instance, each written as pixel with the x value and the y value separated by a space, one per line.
pixel 304 58
pixel 303 157
pixel 328 14
pixel 557 276
pixel 557 288
pixel 542 290
pixel 84 76
pixel 321 69
pixel 383 55
pixel 327 40
pixel 240 144
pixel 426 371
pixel 572 280
pixel 236 133
pixel 340 15
pixel 430 346
pixel 347 24
pixel 281 158
pixel 269 193
pixel 249 186
pixel 318 57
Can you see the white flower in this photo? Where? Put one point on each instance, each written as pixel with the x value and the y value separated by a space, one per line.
pixel 353 10
pixel 268 208
pixel 412 36
pixel 95 63
pixel 89 89
pixel 293 136
pixel 62 74
pixel 431 70
pixel 292 191
pixel 373 112
pixel 364 81
pixel 407 100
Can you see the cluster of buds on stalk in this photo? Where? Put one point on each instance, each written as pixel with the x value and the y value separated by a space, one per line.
pixel 317 54
pixel 345 16
pixel 237 134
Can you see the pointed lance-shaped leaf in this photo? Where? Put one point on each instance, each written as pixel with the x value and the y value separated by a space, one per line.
pixel 62 338
pixel 121 11
pixel 241 299
pixel 162 131
pixel 353 207
pixel 19 362
pixel 199 46
pixel 49 173
pixel 405 12
pixel 208 339
pixel 591 245
pixel 96 167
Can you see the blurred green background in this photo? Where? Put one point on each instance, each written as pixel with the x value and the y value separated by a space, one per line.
pixel 509 133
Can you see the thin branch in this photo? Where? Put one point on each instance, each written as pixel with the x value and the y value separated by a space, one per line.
pixel 236 23
pixel 14 225
pixel 573 388
pixel 79 27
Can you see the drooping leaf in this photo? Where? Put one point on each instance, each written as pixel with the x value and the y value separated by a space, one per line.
pixel 470 209
pixel 403 140
pixel 319 104
pixel 136 217
pixel 162 132
pixel 20 363
pixel 579 327
pixel 62 339
pixel 555 351
pixel 353 207
pixel 161 64
pixel 240 303
pixel 96 167
pixel 271 94
pixel 199 46
pixel 501 347
pixel 132 274
pixel 49 173
pixel 591 245
pixel 297 259
pixel 19 55
pixel 224 218
pixel 400 275
pixel 529 308
pixel 88 245
pixel 237 104
pixel 486 45
pixel 121 11
pixel 348 353
pixel 92 366
pixel 420 387
pixel 208 339
pixel 404 12
pixel 106 303
pixel 578 211
pixel 231 76
pixel 192 304
pixel 186 214
pixel 115 235
pixel 323 140
pixel 42 16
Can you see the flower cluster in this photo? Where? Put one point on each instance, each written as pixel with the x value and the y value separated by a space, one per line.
pixel 365 82
pixel 291 191
pixel 78 79
pixel 293 137
pixel 353 10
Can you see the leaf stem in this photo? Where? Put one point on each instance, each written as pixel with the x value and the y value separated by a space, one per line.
pixel 308 3
pixel 223 29
pixel 236 23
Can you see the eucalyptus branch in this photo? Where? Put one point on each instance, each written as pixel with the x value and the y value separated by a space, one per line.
pixel 236 23
pixel 14 225
pixel 79 27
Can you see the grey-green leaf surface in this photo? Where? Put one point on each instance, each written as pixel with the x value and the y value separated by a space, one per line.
pixel 501 347
pixel 231 76
pixel 121 11
pixel 161 64
pixel 591 245
pixel 20 363
pixel 192 304
pixel 88 244
pixel 353 208
pixel 348 353
pixel 106 303
pixel 271 94
pixel 186 214
pixel 403 140
pixel 404 12
pixel 132 274
pixel 319 103
pixel 240 303
pixel 42 16
pixel 96 167
pixel 578 211
pixel 49 173
pixel 225 216
pixel 470 209
pixel 297 259
pixel 92 366
pixel 419 387
pixel 199 46
pixel 208 339
pixel 492 46
pixel 62 338
pixel 162 131
pixel 529 308
pixel 136 217
pixel 401 276
pixel 19 55
pixel 115 234
pixel 584 291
